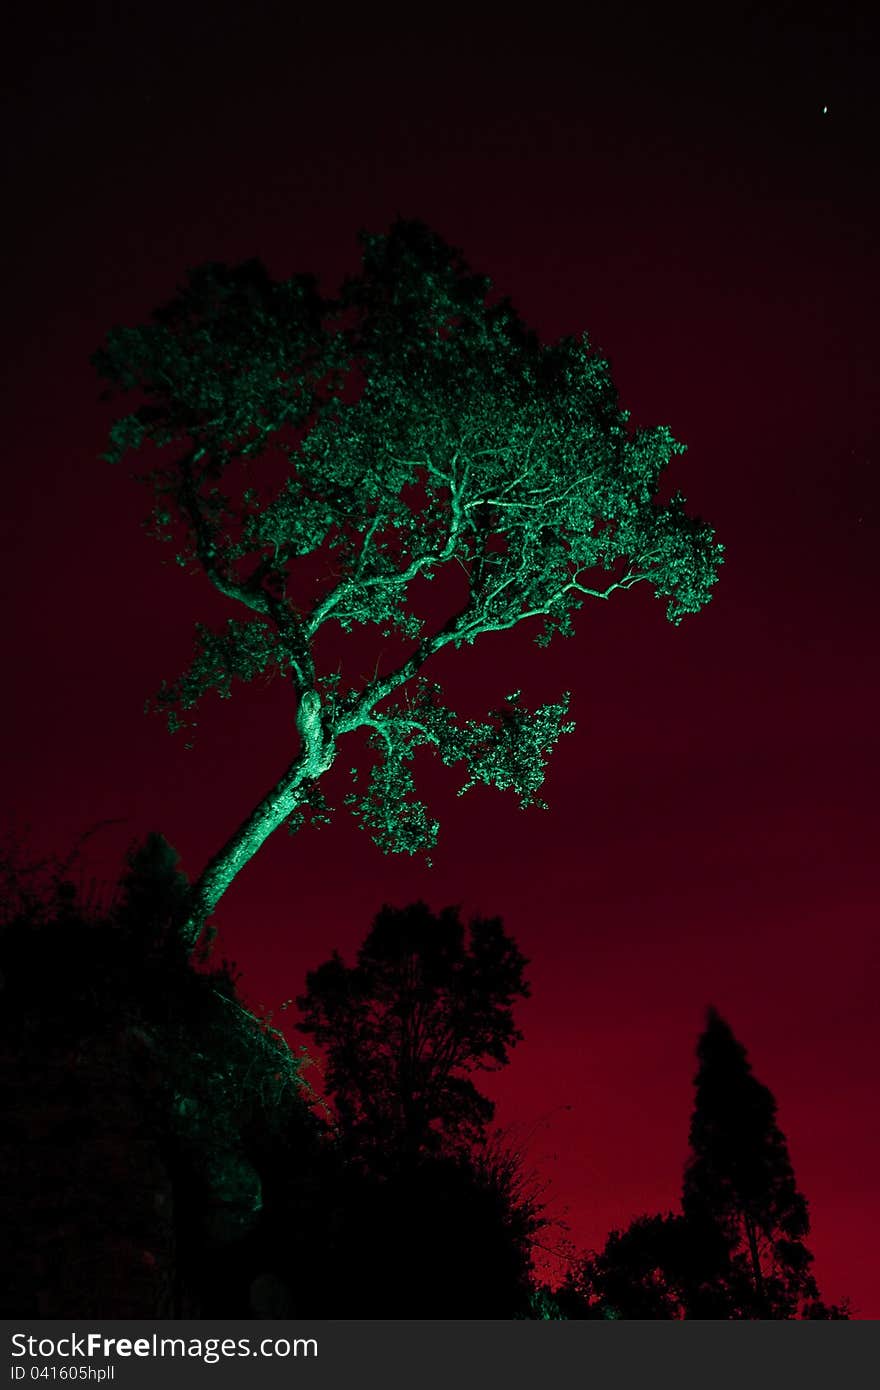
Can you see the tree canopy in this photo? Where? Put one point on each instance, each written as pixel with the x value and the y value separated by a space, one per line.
pixel 318 459
pixel 406 1026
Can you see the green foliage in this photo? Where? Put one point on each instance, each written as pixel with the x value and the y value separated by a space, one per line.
pixel 388 807
pixel 231 359
pixel 509 750
pixel 418 426
pixel 543 1307
pixel 243 651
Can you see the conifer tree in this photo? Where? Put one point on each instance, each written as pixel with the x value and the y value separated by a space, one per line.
pixel 737 1248
pixel 740 1180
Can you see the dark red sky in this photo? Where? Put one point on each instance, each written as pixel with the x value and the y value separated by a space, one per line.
pixel 675 189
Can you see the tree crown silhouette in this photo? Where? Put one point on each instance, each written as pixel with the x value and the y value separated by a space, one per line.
pixel 404 1028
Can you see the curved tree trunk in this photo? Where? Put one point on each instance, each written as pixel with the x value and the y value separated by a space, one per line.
pixel 315 757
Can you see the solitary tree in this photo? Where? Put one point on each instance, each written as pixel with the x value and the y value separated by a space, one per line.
pixel 740 1180
pixel 404 1029
pixel 321 458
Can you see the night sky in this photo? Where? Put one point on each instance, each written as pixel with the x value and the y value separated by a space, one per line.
pixel 700 194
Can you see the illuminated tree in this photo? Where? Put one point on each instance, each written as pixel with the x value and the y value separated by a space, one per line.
pixel 323 458
pixel 405 1027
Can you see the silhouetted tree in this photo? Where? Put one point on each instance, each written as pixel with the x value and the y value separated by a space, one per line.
pixel 152 887
pixel 737 1249
pixel 631 1277
pixel 447 1238
pixel 419 428
pixel 404 1028
pixel 659 1267
pixel 740 1180
pixel 434 1217
pixel 140 1098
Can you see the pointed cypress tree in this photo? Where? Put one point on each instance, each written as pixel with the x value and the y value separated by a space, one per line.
pixel 737 1250
pixel 740 1180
